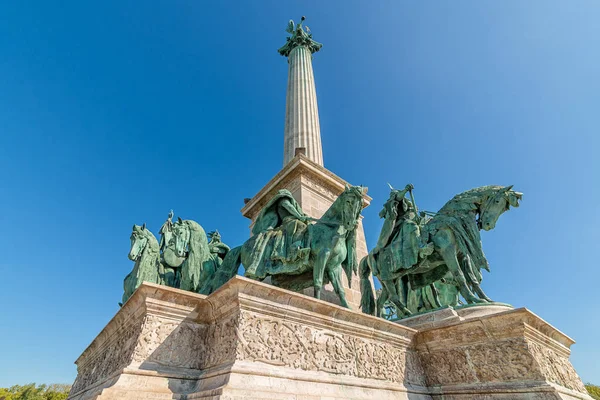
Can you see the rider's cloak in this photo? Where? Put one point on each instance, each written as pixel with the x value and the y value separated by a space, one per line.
pixel 269 217
pixel 165 233
pixel 268 247
pixel 468 243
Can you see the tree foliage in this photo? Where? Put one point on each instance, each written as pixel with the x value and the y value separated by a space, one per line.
pixel 593 390
pixel 35 392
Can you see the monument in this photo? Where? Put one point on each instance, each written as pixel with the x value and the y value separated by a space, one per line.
pixel 313 186
pixel 296 326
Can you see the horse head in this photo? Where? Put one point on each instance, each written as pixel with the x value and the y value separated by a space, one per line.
pixel 139 240
pixel 496 204
pixel 176 249
pixel 181 237
pixel 351 202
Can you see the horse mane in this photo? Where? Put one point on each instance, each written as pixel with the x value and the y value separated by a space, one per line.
pixel 191 269
pixel 471 199
pixel 198 239
pixel 152 245
pixel 332 212
pixel 151 253
pixel 198 244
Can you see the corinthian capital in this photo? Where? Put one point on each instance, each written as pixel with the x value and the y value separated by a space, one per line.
pixel 300 36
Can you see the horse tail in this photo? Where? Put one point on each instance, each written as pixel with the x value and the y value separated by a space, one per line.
pixel 367 296
pixel 227 270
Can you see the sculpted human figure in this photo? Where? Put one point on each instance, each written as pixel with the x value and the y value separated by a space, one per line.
pixel 166 231
pixel 294 254
pixel 405 264
pixel 299 37
pixel 216 246
pixel 280 210
pixel 283 212
pixel 218 252
pixel 169 275
pixel 401 230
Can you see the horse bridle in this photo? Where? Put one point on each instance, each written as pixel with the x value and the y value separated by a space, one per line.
pixel 487 205
pixel 334 224
pixel 135 235
pixel 187 242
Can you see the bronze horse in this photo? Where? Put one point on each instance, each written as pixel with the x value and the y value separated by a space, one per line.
pixel 454 232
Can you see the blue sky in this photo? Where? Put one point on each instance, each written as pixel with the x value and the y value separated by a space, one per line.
pixel 113 113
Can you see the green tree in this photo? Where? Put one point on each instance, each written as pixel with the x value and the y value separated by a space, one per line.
pixel 57 391
pixel 593 390
pixel 35 392
pixel 5 394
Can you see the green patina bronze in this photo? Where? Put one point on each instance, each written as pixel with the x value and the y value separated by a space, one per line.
pixel 218 251
pixel 417 257
pixel 300 36
pixel 146 255
pixel 169 275
pixel 440 294
pixel 194 259
pixel 185 258
pixel 295 253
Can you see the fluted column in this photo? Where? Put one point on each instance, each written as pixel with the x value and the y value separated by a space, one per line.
pixel 301 112
pixel 302 128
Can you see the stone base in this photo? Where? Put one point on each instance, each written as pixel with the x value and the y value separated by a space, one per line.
pixel 447 315
pixel 249 340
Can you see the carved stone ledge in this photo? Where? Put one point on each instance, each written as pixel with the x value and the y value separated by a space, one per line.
pixel 514 354
pixel 252 340
pixel 245 328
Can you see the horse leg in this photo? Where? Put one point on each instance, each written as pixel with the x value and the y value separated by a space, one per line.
pixel 477 289
pixel 367 298
pixel 319 271
pixel 177 278
pixel 444 243
pixel 474 281
pixel 335 276
pixel 435 295
pixel 390 286
pixel 403 287
pixel 383 297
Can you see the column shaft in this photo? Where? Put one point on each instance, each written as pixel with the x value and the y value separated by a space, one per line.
pixel 301 115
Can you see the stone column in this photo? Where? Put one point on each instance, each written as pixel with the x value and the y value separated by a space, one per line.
pixel 302 128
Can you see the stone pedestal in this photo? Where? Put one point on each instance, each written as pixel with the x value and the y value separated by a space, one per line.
pixel 315 188
pixel 247 340
pixel 250 340
pixel 494 352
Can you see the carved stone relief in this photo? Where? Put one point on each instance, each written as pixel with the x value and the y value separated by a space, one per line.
pixel 221 342
pixel 115 356
pixel 555 368
pixel 506 360
pixel 171 343
pixel 293 345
